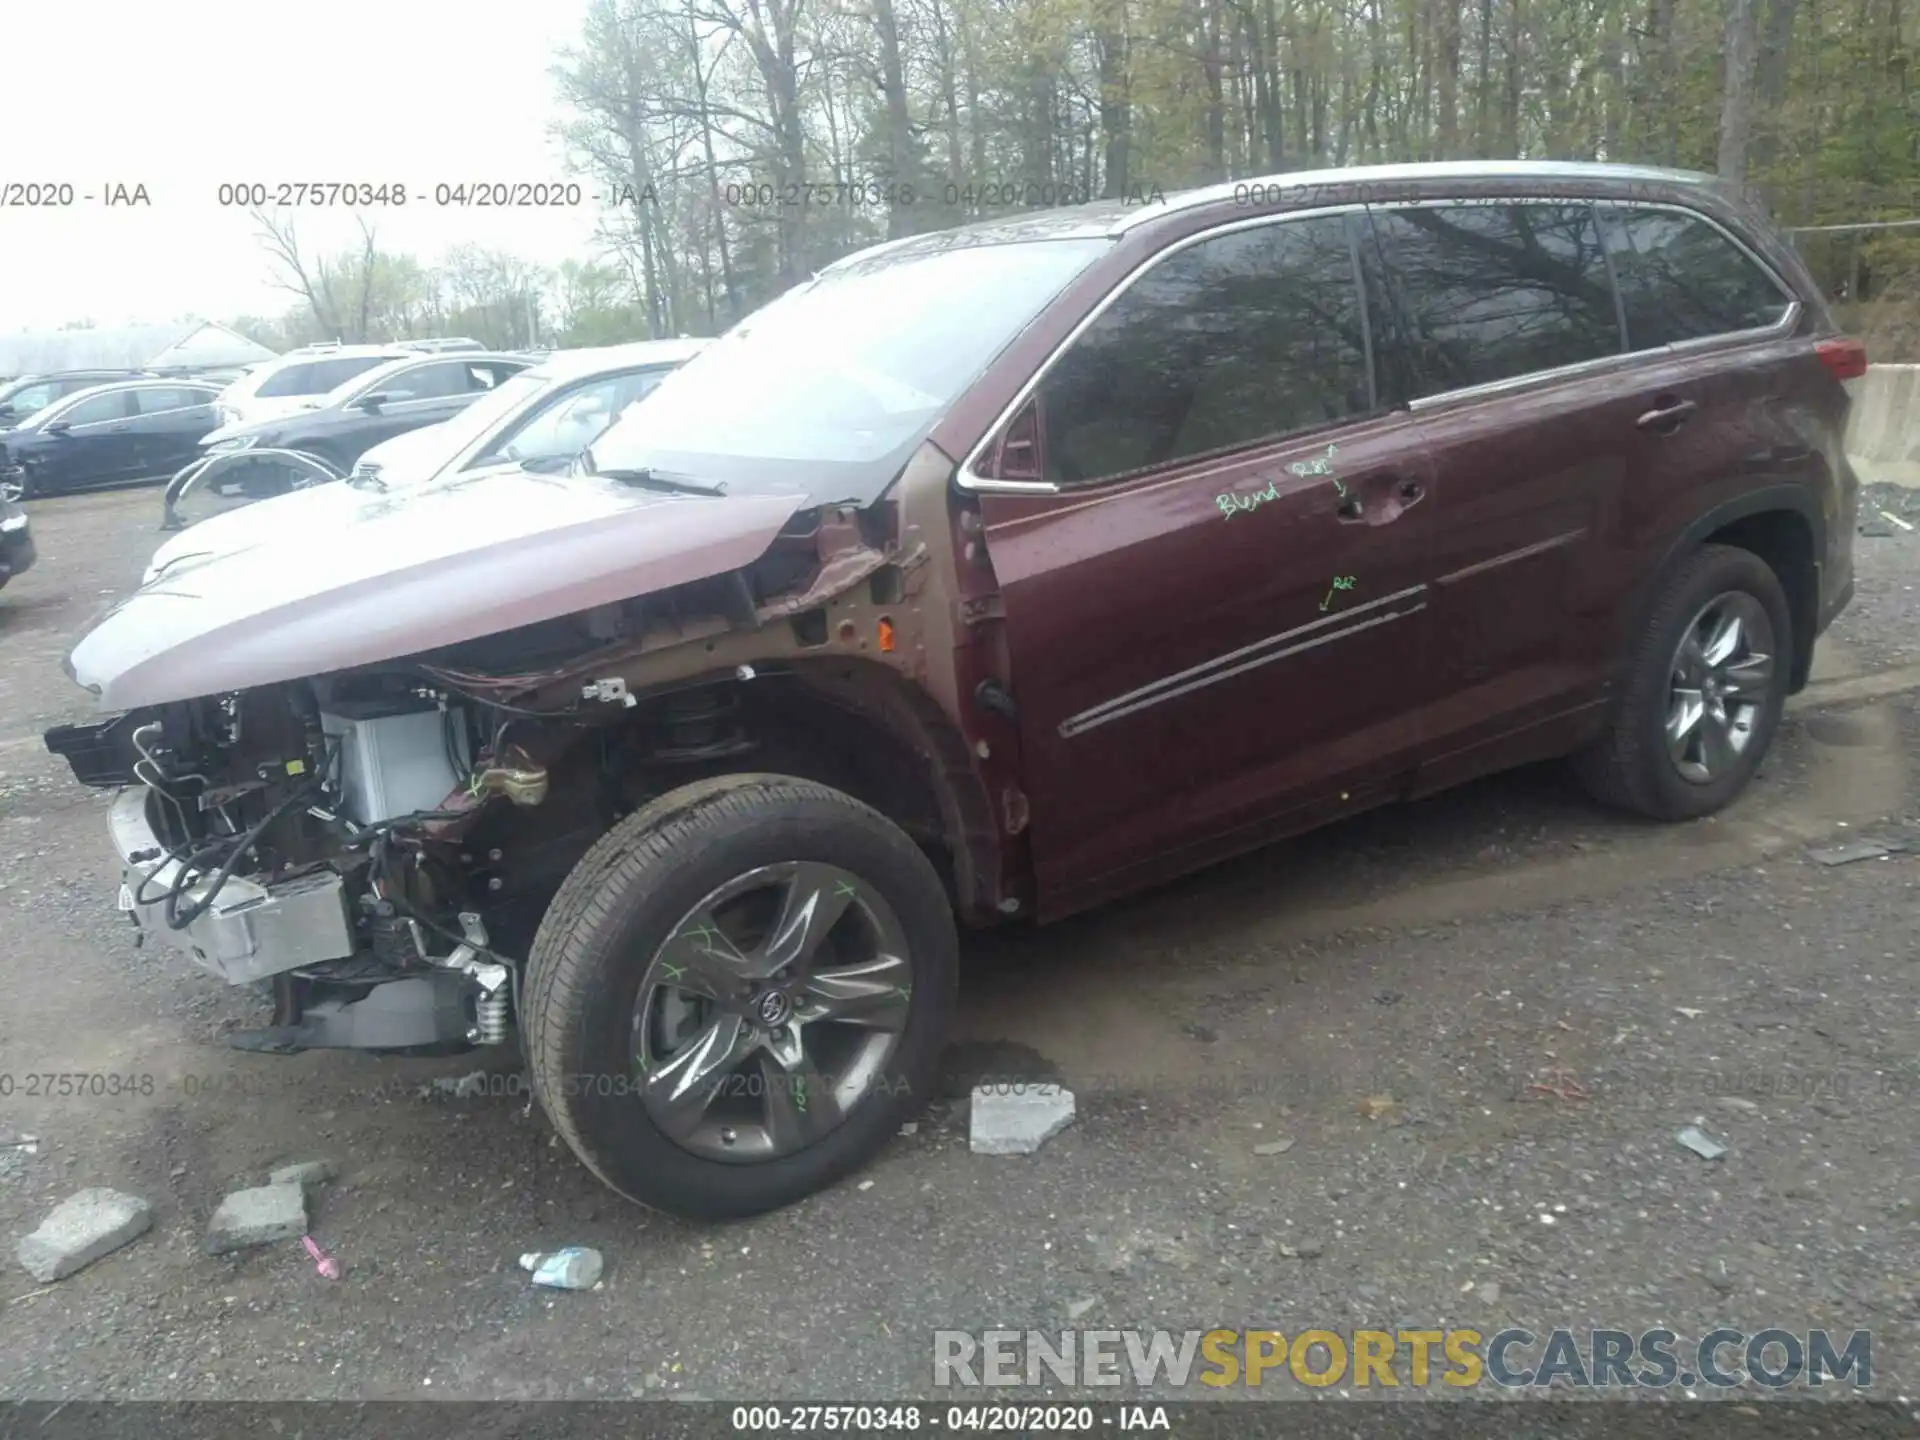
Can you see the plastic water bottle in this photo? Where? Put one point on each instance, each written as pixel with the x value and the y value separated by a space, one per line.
pixel 574 1268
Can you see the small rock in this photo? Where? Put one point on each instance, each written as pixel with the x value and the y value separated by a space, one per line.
pixel 1375 1106
pixel 912 1127
pixel 1205 1034
pixel 864 1185
pixel 257 1217
pixel 1847 854
pixel 176 1172
pixel 81 1230
pixel 1489 1293
pixel 1738 1102
pixel 305 1172
pixel 1274 1147
pixel 1079 1308
pixel 1303 1250
pixel 1698 1141
pixel 1019 1121
pixel 1690 1014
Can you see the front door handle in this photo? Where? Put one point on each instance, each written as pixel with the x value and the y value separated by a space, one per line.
pixel 1350 510
pixel 1668 415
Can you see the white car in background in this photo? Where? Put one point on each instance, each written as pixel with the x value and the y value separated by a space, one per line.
pixel 301 378
pixel 540 419
pixel 297 380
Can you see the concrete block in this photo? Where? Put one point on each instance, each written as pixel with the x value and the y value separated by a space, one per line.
pixel 304 1173
pixel 257 1217
pixel 81 1230
pixel 1017 1119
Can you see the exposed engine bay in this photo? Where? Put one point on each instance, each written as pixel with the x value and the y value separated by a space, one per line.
pixel 379 845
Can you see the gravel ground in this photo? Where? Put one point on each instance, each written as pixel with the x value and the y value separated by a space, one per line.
pixel 1480 1021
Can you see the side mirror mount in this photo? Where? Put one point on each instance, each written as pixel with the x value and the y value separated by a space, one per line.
pixel 372 403
pixel 1017 455
pixel 59 427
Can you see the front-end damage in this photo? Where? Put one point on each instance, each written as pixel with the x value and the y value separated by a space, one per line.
pixel 380 842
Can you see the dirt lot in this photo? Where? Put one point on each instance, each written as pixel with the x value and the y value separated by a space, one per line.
pixel 1546 993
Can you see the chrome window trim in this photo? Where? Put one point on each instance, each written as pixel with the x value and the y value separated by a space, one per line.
pixel 1607 363
pixel 967 478
pixel 1413 172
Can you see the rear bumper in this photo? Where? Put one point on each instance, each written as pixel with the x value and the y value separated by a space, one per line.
pixel 251 931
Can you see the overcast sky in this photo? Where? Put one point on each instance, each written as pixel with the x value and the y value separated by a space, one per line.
pixel 183 96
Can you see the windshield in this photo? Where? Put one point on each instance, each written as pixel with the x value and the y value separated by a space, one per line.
pixel 834 384
pixel 316 377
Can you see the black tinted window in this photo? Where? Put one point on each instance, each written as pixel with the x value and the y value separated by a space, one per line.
pixel 316 377
pixel 170 397
pixel 1496 291
pixel 1682 279
pixel 427 382
pixel 1256 333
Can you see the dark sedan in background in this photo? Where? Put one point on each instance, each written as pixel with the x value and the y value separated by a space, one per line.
pixel 16 541
pixel 108 435
pixel 375 405
pixel 29 394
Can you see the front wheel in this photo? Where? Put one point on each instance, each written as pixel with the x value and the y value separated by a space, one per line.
pixel 739 994
pixel 1705 692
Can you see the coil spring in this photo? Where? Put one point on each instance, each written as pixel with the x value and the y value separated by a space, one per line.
pixel 490 1017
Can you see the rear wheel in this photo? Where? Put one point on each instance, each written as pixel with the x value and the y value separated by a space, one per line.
pixel 1705 694
pixel 739 994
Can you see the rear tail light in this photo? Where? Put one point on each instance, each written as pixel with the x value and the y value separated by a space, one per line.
pixel 1846 358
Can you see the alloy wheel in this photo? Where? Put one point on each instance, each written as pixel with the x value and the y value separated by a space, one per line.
pixel 1722 674
pixel 771 1011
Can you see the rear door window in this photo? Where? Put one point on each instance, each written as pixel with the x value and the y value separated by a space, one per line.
pixel 1682 278
pixel 316 377
pixel 1243 337
pixel 1492 292
pixel 169 397
pixel 95 409
pixel 431 382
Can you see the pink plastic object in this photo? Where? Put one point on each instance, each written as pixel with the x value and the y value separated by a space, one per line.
pixel 328 1267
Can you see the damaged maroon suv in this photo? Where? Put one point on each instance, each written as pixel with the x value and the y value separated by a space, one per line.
pixel 986 576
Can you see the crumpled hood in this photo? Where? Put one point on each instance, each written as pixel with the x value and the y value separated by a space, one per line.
pixel 398 573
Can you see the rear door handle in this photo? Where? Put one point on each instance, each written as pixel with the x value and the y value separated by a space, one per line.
pixel 1667 415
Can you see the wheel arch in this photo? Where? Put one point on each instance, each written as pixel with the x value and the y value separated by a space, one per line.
pixel 1781 524
pixel 859 727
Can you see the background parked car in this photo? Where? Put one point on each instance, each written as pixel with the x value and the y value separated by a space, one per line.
pixel 299 380
pixel 107 435
pixel 540 418
pixel 21 397
pixel 16 541
pixel 386 400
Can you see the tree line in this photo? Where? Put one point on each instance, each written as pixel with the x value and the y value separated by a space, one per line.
pixel 764 138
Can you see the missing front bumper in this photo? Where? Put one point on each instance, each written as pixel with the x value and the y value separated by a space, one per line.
pixel 251 931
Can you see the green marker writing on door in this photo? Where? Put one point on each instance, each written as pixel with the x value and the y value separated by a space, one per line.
pixel 1340 582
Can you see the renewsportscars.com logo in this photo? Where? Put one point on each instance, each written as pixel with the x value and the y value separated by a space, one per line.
pixel 1511 1359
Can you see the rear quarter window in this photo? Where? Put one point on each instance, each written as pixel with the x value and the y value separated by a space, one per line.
pixel 1682 278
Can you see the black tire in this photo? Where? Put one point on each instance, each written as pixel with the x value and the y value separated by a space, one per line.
pixel 1629 766
pixel 619 906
